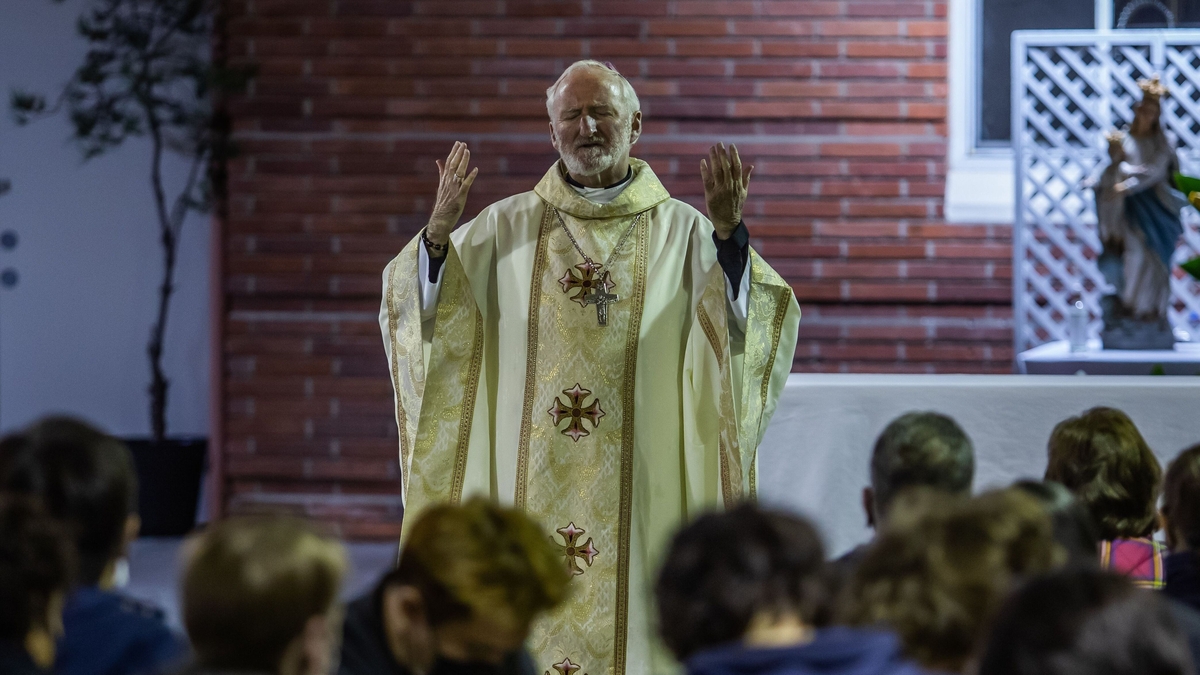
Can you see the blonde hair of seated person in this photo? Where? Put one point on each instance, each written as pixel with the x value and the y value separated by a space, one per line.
pixel 941 567
pixel 259 594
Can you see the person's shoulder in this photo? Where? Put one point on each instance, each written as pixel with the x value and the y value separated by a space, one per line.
pixel 682 209
pixel 517 205
pixel 132 631
pixel 144 622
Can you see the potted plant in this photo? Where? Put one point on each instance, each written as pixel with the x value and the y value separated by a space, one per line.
pixel 151 71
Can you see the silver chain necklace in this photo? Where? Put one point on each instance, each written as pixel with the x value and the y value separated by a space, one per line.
pixel 595 291
pixel 616 249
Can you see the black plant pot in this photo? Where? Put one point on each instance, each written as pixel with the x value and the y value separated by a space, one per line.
pixel 169 475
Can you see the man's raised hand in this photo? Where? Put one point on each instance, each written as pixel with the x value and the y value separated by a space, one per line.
pixel 453 185
pixel 725 188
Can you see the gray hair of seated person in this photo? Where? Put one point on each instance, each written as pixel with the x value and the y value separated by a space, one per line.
pixel 921 449
pixel 629 97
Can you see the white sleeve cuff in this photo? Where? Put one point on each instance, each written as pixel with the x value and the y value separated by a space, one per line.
pixel 739 308
pixel 429 289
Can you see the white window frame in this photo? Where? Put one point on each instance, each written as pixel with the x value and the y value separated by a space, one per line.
pixel 979 180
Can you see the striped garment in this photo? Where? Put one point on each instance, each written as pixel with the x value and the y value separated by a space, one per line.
pixel 1140 559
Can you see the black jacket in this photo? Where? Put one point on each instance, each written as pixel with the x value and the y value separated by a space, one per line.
pixel 365 649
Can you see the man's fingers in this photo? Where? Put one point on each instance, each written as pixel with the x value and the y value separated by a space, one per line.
pixel 453 153
pixel 705 174
pixel 466 184
pixel 441 167
pixel 746 179
pixel 457 163
pixel 735 163
pixel 718 167
pixel 723 155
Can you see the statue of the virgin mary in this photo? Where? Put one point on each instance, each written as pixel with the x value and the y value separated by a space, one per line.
pixel 1138 212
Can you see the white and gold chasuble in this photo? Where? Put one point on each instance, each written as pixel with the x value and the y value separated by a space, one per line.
pixel 611 435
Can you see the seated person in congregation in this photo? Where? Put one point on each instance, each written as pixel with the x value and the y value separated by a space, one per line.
pixel 942 565
pixel 260 595
pixel 1073 527
pixel 738 593
pixel 37 563
pixel 86 478
pixel 470 581
pixel 1078 621
pixel 1102 458
pixel 1076 534
pixel 1180 516
pixel 917 449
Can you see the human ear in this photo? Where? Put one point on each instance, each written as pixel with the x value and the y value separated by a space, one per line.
pixel 868 504
pixel 133 526
pixel 406 627
pixel 635 127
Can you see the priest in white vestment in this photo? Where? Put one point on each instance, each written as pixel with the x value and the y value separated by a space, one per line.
pixel 594 352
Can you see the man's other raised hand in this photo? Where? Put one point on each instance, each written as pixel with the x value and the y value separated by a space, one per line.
pixel 725 188
pixel 453 185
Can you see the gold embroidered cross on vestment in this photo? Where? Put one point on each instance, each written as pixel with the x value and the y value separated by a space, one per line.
pixel 593 290
pixel 574 410
pixel 575 551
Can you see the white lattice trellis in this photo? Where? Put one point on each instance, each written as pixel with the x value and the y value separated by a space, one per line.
pixel 1069 87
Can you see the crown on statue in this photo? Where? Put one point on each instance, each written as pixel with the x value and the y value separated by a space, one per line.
pixel 1152 88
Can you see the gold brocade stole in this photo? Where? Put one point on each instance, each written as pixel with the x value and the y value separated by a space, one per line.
pixel 575 454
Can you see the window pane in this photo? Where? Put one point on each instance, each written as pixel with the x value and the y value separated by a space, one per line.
pixel 1153 13
pixel 998 20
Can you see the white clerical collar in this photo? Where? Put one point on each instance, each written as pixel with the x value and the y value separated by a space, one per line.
pixel 602 195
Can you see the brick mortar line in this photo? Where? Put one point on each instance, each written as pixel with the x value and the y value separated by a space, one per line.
pixel 314 498
pixel 541 137
pixel 300 315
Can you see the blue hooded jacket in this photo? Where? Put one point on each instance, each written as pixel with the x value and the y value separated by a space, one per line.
pixel 833 651
pixel 106 633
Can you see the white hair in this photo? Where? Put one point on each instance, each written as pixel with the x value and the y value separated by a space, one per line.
pixel 630 97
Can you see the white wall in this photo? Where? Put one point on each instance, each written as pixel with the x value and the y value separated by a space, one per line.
pixel 73 332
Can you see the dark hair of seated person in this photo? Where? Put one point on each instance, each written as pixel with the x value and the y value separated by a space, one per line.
pixel 37 564
pixel 1078 621
pixel 84 477
pixel 1073 526
pixel 1181 501
pixel 724 569
pixel 920 449
pixel 1102 458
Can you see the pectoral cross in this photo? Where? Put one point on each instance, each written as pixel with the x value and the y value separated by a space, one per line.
pixel 601 299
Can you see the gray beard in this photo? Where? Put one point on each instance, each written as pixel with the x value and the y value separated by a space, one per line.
pixel 594 161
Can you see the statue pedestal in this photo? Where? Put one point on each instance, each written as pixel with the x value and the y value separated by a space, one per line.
pixel 1056 358
pixel 1129 333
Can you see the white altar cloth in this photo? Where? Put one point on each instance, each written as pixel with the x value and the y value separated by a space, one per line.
pixel 815 455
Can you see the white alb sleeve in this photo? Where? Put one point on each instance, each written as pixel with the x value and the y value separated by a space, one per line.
pixel 429 289
pixel 739 308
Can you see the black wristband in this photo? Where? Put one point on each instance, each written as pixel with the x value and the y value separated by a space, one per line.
pixel 733 254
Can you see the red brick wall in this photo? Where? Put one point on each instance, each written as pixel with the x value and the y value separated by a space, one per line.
pixel 840 104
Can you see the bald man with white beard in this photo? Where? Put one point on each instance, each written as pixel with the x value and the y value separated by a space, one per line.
pixel 594 352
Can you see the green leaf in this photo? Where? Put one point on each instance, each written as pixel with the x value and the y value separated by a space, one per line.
pixel 1192 267
pixel 1187 184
